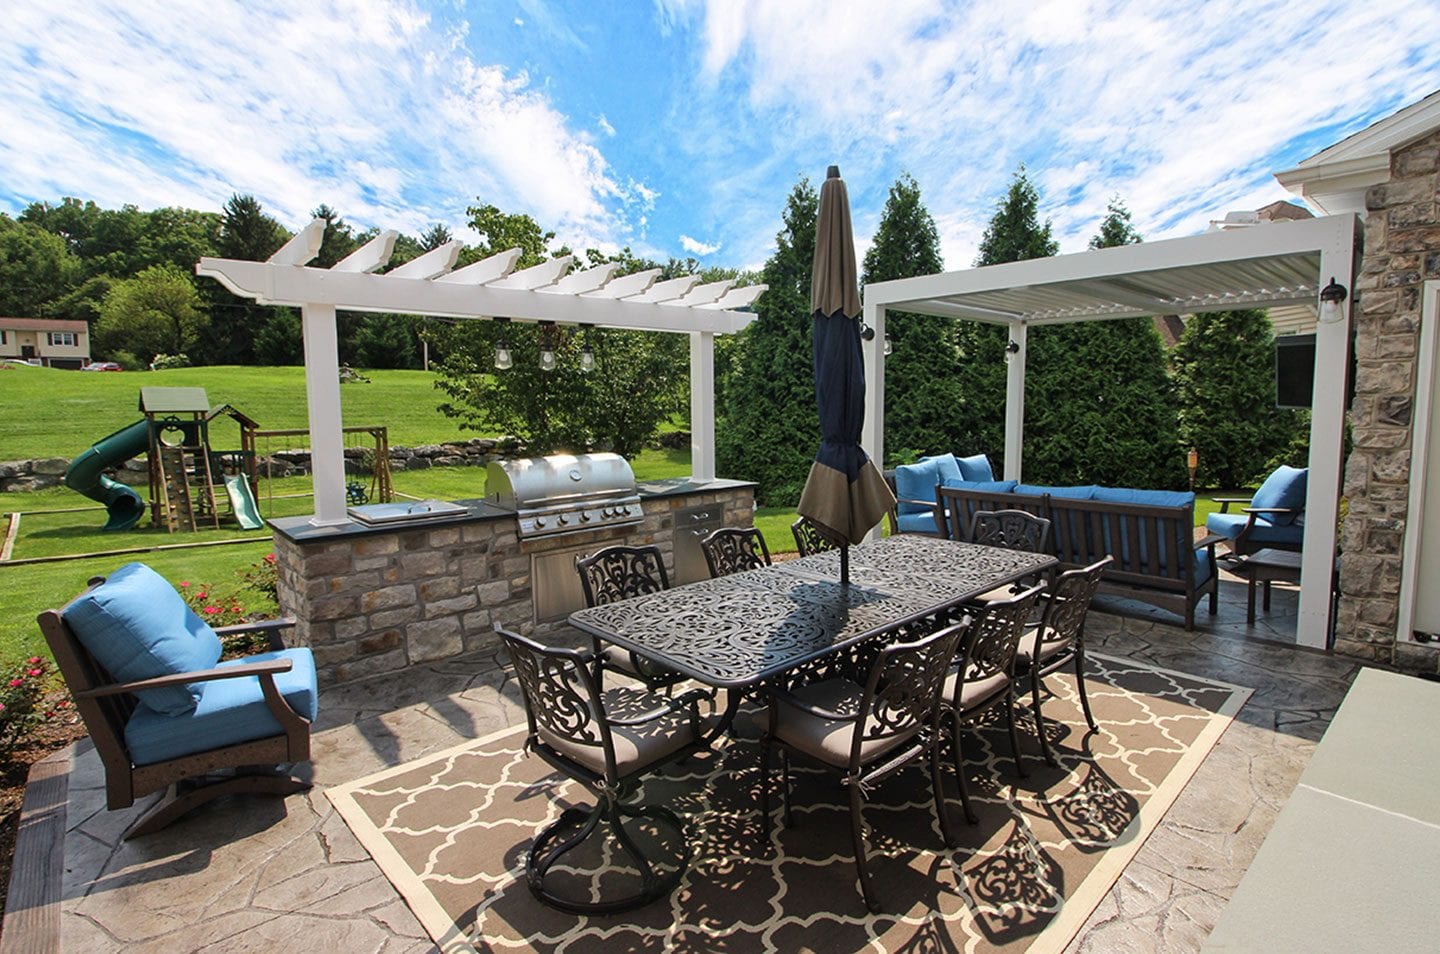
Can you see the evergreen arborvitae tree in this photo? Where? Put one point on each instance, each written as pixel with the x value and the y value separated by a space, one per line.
pixel 1224 370
pixel 921 388
pixel 771 428
pixel 1014 234
pixel 248 234
pixel 1099 408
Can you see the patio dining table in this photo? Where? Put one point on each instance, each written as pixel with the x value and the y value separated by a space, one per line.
pixel 737 631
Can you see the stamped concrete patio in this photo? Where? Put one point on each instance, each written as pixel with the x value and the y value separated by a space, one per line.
pixel 258 874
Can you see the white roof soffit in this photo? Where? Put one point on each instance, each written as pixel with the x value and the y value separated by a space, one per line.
pixel 490 288
pixel 1274 264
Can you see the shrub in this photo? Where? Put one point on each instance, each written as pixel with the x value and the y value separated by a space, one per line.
pixel 20 710
pixel 164 362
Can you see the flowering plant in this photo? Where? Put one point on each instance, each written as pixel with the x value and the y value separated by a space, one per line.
pixel 263 578
pixel 21 694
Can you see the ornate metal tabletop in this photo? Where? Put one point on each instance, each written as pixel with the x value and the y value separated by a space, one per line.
pixel 747 627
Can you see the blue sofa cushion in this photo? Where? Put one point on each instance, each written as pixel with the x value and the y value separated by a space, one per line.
pixel 916 523
pixel 230 711
pixel 1285 489
pixel 983 486
pixel 916 482
pixel 1230 524
pixel 1081 492
pixel 946 467
pixel 1145 498
pixel 976 468
pixel 138 627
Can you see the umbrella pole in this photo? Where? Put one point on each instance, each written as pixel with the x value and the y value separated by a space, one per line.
pixel 845 565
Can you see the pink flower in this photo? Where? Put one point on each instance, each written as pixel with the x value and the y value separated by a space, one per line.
pixel 35 672
pixel 201 596
pixel 2 707
pixel 237 609
pixel 210 610
pixel 14 683
pixel 34 660
pixel 269 558
pixel 184 584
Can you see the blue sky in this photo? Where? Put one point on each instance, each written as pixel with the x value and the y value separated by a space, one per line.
pixel 678 127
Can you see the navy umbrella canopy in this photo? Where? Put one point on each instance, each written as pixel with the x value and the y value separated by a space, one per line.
pixel 845 495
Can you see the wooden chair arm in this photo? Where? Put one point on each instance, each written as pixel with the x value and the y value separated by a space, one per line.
pixel 1225 502
pixel 268 668
pixel 270 627
pixel 1264 511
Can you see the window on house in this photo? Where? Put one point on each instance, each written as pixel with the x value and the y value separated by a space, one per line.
pixel 65 338
pixel 4 339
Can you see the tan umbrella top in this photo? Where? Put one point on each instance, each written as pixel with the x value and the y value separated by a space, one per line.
pixel 834 285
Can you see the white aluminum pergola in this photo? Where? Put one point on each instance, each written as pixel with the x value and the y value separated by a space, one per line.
pixel 487 289
pixel 1279 263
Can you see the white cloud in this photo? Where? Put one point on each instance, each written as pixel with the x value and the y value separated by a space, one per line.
pixel 696 247
pixel 604 125
pixel 371 106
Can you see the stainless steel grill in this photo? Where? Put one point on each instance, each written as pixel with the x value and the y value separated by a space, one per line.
pixel 565 493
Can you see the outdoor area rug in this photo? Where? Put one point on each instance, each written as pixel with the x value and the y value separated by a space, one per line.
pixel 451 832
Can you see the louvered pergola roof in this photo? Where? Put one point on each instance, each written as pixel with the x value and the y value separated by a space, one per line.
pixel 491 288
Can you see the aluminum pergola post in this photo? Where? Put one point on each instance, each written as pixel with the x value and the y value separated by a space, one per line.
pixel 872 433
pixel 1015 401
pixel 702 405
pixel 322 397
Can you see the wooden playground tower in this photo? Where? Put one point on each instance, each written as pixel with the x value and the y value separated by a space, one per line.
pixel 184 471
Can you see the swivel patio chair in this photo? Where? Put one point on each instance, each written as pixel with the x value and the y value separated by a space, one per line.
pixel 1272 519
pixel 808 538
pixel 985 678
pixel 618 573
pixel 164 713
pixel 866 731
pixel 572 726
pixel 733 549
pixel 1059 640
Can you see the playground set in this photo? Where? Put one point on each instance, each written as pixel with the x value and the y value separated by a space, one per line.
pixel 188 476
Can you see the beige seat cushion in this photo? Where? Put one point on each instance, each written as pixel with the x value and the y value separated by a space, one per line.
pixel 1047 650
pixel 828 740
pixel 996 595
pixel 975 690
pixel 635 746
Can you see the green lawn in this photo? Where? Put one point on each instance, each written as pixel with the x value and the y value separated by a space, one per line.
pixel 51 413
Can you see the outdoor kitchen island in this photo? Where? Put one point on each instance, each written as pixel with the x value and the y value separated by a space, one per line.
pixel 376 598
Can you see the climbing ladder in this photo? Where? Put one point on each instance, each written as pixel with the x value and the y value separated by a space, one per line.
pixel 189 487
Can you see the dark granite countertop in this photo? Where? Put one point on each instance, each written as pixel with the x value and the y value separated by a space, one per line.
pixel 301 530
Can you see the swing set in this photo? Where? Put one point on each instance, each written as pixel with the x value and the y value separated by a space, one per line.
pixel 357 492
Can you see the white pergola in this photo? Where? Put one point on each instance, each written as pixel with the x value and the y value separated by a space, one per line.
pixel 1275 264
pixel 488 289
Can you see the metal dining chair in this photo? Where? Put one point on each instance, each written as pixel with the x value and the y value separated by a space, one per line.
pixel 808 538
pixel 866 731
pixel 985 678
pixel 1009 530
pixel 577 730
pixel 1059 639
pixel 733 549
pixel 618 573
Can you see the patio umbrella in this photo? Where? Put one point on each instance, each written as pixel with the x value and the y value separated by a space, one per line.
pixel 844 496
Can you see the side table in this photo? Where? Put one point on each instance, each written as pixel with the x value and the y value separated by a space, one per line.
pixel 1265 567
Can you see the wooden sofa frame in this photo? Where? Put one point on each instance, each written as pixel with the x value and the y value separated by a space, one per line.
pixel 105 705
pixel 1083 532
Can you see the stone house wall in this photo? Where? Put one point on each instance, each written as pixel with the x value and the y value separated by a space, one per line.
pixel 1402 250
pixel 379 602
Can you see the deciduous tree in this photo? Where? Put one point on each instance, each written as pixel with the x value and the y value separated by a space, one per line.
pixel 156 312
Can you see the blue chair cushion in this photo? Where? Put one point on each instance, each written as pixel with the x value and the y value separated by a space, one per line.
pixel 917 482
pixel 138 627
pixel 946 467
pixel 1229 525
pixel 1081 492
pixel 984 486
pixel 1285 488
pixel 916 523
pixel 230 711
pixel 976 468
pixel 1201 570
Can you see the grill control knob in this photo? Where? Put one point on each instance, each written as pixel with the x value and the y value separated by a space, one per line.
pixel 607 512
pixel 539 522
pixel 563 520
pixel 584 516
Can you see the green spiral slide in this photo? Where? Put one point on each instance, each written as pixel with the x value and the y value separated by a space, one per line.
pixel 86 474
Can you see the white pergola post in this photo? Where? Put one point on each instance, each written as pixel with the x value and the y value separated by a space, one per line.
pixel 322 394
pixel 702 405
pixel 872 433
pixel 1327 467
pixel 1015 402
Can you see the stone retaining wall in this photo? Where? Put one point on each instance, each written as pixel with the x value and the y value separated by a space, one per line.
pixel 380 602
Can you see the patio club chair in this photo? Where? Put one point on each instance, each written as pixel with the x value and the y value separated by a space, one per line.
pixel 576 730
pixel 618 573
pixel 1059 640
pixel 1272 519
pixel 865 731
pixel 164 713
pixel 985 678
pixel 733 549
pixel 808 538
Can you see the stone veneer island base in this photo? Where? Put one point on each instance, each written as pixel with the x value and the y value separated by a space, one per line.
pixel 372 600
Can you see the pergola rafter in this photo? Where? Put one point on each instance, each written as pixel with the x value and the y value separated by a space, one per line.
pixel 488 289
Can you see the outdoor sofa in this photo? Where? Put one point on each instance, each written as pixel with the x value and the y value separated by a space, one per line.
pixel 1148 533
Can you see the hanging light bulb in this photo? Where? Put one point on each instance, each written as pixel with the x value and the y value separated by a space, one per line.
pixel 888 346
pixel 587 354
pixel 547 347
pixel 503 359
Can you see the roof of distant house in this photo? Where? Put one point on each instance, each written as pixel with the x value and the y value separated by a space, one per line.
pixel 1281 211
pixel 42 324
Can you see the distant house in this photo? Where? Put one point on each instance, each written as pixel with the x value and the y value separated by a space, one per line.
pixel 52 342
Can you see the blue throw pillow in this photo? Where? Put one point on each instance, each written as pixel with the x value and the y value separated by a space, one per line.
pixel 138 627
pixel 946 467
pixel 984 486
pixel 1284 488
pixel 916 482
pixel 976 468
